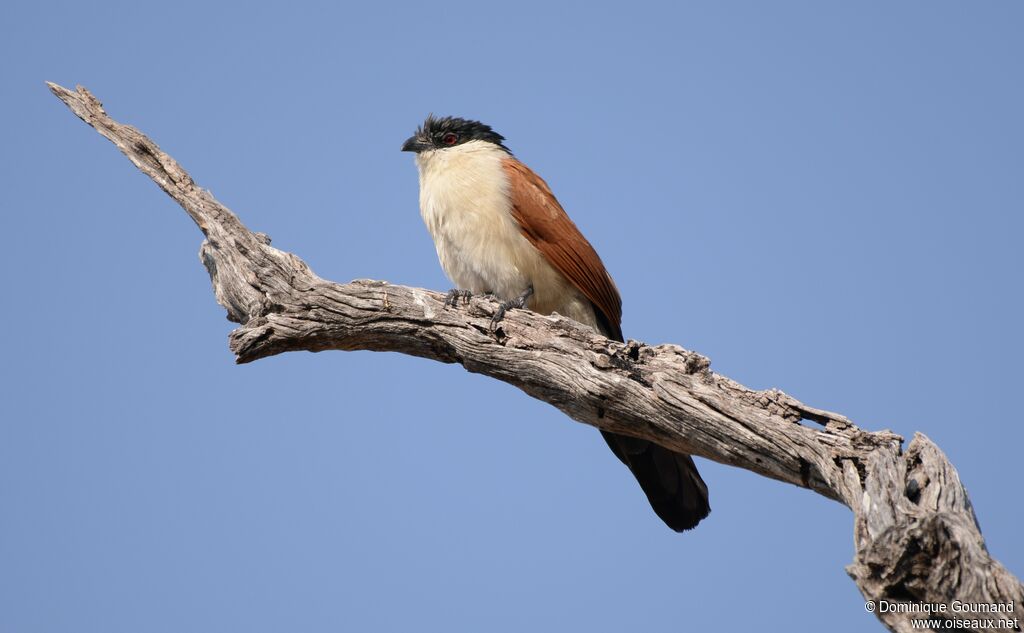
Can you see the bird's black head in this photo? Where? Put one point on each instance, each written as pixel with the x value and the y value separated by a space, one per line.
pixel 445 132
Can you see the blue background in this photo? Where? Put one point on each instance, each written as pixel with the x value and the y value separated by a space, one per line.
pixel 825 197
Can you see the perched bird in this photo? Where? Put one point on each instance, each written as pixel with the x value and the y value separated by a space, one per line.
pixel 500 231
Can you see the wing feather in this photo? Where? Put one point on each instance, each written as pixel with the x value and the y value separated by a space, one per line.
pixel 547 226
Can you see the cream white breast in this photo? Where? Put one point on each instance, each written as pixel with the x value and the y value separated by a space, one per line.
pixel 465 203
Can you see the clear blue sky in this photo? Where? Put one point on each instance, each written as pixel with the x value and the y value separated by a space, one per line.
pixel 824 197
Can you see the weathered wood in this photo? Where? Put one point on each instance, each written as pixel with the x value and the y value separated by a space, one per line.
pixel 915 535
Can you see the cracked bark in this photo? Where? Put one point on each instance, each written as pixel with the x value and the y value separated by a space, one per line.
pixel 916 539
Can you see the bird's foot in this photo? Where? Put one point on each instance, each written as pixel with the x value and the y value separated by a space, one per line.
pixel 453 296
pixel 504 306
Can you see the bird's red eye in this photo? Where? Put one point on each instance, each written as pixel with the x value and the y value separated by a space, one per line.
pixel 450 138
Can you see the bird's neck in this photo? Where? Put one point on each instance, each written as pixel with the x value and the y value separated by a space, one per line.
pixel 472 160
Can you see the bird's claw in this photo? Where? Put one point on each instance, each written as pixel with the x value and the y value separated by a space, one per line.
pixel 499 314
pixel 505 306
pixel 453 296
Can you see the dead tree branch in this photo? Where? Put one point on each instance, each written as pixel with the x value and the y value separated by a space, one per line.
pixel 915 535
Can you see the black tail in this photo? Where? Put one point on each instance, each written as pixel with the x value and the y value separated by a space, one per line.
pixel 670 480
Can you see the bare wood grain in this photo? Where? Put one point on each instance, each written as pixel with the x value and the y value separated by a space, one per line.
pixel 916 539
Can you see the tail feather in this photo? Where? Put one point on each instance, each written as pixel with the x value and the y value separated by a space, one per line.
pixel 670 480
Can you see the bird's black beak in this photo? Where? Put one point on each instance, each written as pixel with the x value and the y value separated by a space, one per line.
pixel 415 144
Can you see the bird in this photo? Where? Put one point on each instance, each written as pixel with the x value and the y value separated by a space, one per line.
pixel 499 230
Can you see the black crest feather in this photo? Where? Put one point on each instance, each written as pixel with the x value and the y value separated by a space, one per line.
pixel 435 128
